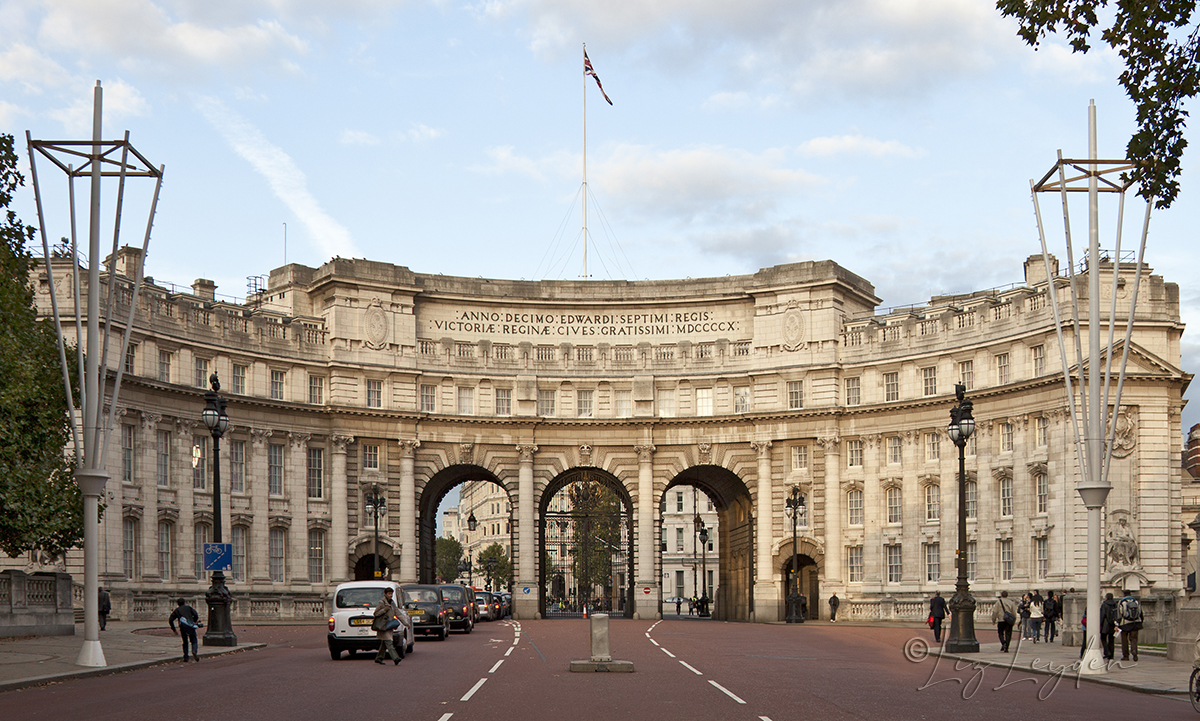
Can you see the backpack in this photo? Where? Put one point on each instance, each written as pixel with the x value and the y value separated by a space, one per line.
pixel 1130 611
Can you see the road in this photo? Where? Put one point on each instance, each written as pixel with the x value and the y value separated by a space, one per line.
pixel 685 669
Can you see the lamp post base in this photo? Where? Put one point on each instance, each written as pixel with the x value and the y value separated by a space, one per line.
pixel 795 613
pixel 220 625
pixel 962 622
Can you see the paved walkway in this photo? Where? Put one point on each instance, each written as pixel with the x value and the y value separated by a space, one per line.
pixel 127 645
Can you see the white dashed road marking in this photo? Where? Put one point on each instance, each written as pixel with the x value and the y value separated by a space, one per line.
pixel 688 667
pixel 445 717
pixel 726 691
pixel 510 648
pixel 496 666
pixel 666 652
pixel 482 681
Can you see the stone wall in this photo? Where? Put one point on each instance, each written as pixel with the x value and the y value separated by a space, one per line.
pixel 247 608
pixel 36 604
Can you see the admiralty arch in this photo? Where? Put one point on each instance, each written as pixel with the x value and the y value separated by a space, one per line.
pixel 360 378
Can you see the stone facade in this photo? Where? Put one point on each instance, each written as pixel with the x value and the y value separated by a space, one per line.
pixel 361 376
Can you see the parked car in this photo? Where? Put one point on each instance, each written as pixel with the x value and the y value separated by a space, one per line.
pixel 463 610
pixel 353 612
pixel 483 601
pixel 427 609
pixel 505 603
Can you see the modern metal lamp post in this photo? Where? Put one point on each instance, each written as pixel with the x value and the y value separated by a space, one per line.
pixel 962 605
pixel 377 502
pixel 793 506
pixel 218 597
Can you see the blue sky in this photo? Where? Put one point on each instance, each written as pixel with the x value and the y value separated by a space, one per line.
pixel 895 137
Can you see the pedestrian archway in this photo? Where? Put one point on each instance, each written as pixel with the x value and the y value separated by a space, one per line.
pixel 431 497
pixel 807 581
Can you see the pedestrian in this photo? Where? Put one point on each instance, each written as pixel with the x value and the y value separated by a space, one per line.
pixel 1108 625
pixel 1083 625
pixel 1050 613
pixel 1023 614
pixel 937 612
pixel 692 605
pixel 105 608
pixel 385 613
pixel 1036 614
pixel 189 621
pixel 678 605
pixel 1130 623
pixel 833 607
pixel 1004 615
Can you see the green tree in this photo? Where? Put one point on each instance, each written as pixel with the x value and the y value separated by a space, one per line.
pixel 1158 40
pixel 597 534
pixel 449 554
pixel 494 565
pixel 40 503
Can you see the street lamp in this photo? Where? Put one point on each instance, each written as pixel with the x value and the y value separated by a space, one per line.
pixel 704 600
pixel 793 506
pixel 376 501
pixel 696 524
pixel 218 597
pixel 962 606
pixel 464 566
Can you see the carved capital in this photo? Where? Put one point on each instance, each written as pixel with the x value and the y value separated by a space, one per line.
pixel 340 441
pixel 525 452
pixel 299 440
pixel 762 448
pixel 830 444
pixel 259 436
pixel 150 421
pixel 185 425
pixel 645 452
pixel 408 447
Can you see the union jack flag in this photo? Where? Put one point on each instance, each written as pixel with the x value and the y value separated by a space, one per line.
pixel 589 70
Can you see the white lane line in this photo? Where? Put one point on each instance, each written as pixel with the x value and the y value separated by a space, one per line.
pixel 445 717
pixel 690 668
pixel 510 648
pixel 764 718
pixel 667 652
pixel 655 643
pixel 482 681
pixel 496 666
pixel 726 691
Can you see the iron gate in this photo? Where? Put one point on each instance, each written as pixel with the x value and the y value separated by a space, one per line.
pixel 586 562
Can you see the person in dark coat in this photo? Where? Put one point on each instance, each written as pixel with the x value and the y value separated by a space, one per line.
pixel 189 621
pixel 937 609
pixel 1108 625
pixel 105 608
pixel 385 611
pixel 833 607
pixel 1050 612
pixel 1004 605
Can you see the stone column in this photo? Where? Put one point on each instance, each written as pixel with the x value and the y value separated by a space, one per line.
pixel 766 592
pixel 185 533
pixel 257 550
pixel 646 606
pixel 408 511
pixel 525 605
pixel 296 480
pixel 146 476
pixel 833 515
pixel 339 511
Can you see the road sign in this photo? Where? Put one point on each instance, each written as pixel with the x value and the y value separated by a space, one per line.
pixel 218 557
pixel 646 590
pixel 526 590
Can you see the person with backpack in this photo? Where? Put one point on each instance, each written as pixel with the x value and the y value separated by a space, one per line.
pixel 1004 615
pixel 1050 613
pixel 189 621
pixel 1129 611
pixel 1108 625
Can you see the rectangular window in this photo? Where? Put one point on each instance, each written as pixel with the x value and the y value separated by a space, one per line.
pixel 666 402
pixel 504 401
pixel 854 506
pixel 129 547
pixel 933 447
pixel 199 462
pixel 371 457
pixel 679 501
pixel 704 401
pixel 741 399
pixel 799 458
pixel 1041 489
pixel 933 562
pixel 1001 368
pixel 374 393
pixel 929 381
pixel 237 466
pixel 853 391
pixel 201 376
pixel 1006 497
pixel 1006 559
pixel 239 553
pixel 894 563
pixel 316 390
pixel 163 465
pixel 972 493
pixel 202 537
pixel 623 404
pixel 966 374
pixel 277 546
pixel 277 385
pixel 545 403
pixel 854 454
pixel 795 394
pixel 1038 356
pixel 894 450
pixel 127 453
pixel 933 503
pixel 972 444
pixel 316 555
pixel 891 387
pixel 239 379
pixel 275 469
pixel 972 560
pixel 164 366
pixel 679 539
pixel 1006 437
pixel 679 584
pixel 466 401
pixel 316 472
pixel 895 506
pixel 1041 557
pixel 131 359
pixel 164 550
pixel 428 398
pixel 854 563
pixel 583 403
pixel 1042 431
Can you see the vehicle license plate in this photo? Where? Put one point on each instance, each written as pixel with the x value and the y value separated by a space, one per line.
pixel 416 613
pixel 360 621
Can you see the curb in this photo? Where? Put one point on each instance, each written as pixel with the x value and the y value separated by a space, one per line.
pixel 110 670
pixel 1102 679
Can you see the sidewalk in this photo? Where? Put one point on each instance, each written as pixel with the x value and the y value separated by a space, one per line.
pixel 33 661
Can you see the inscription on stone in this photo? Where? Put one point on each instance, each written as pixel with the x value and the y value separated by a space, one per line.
pixel 563 326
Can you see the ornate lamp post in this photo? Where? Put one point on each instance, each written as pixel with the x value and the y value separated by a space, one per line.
pixel 704 600
pixel 793 506
pixel 376 501
pixel 464 566
pixel 962 605
pixel 696 525
pixel 218 597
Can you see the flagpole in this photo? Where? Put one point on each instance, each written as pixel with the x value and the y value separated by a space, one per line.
pixel 585 229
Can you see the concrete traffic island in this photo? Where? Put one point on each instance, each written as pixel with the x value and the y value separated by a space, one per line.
pixel 601 660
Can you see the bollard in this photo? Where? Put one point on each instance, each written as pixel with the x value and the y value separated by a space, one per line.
pixel 601 659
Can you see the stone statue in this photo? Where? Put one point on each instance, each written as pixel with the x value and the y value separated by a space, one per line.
pixel 1122 546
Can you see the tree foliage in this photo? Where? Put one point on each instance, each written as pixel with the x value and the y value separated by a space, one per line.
pixel 493 563
pixel 1158 40
pixel 448 552
pixel 597 533
pixel 41 506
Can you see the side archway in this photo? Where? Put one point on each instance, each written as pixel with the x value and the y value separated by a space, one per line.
pixel 431 497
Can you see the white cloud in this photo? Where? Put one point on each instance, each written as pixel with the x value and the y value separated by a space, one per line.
pixel 9 114
pixel 357 137
pixel 504 161
pixel 23 64
pixel 286 180
pixel 119 100
pixel 857 145
pixel 421 132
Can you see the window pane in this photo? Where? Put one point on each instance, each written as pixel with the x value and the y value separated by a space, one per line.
pixel 316 472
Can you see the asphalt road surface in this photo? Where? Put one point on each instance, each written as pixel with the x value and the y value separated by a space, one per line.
pixel 685 670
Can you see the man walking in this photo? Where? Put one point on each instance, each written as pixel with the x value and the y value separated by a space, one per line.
pixel 1108 626
pixel 1050 614
pixel 387 619
pixel 1130 623
pixel 189 621
pixel 833 607
pixel 1004 615
pixel 937 611
pixel 105 608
